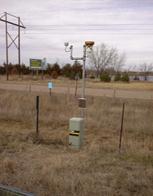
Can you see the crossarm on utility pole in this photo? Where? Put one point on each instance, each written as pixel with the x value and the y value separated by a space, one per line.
pixel 21 26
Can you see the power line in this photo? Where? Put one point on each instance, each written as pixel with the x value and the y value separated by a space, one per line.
pixel 122 26
pixel 93 29
pixel 90 27
pixel 111 24
pixel 106 33
pixel 112 34
pixel 87 30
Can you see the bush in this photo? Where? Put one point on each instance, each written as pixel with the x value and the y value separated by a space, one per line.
pixel 72 75
pixel 53 68
pixel 125 77
pixel 54 75
pixel 104 77
pixel 136 78
pixel 76 70
pixel 92 77
pixel 66 70
pixel 72 71
pixel 117 77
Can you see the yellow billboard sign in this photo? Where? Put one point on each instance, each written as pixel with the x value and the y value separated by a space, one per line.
pixel 35 63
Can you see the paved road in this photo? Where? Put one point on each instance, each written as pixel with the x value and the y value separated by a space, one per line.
pixel 138 94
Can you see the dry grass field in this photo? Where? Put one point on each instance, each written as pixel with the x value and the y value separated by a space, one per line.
pixel 49 167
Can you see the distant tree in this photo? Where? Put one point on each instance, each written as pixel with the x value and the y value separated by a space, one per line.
pixel 10 67
pixel 14 70
pixel 66 70
pixel 117 77
pixel 2 70
pixel 54 74
pixel 54 68
pixel 6 70
pixel 103 57
pixel 136 78
pixel 146 69
pixel 118 61
pixel 92 76
pixel 105 77
pixel 125 77
pixel 49 70
pixel 76 70
pixel 25 69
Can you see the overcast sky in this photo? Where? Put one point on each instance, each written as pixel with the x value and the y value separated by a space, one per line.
pixel 124 24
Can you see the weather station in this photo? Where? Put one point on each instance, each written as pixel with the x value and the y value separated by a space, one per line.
pixel 77 125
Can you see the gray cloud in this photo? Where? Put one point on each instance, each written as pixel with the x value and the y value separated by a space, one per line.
pixel 50 23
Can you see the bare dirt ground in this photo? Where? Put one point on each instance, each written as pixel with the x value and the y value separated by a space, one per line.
pixel 70 89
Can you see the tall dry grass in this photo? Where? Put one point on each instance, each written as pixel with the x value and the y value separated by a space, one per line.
pixel 50 167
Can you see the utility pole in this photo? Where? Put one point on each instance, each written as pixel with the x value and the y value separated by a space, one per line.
pixel 19 24
pixel 19 51
pixel 83 73
pixel 6 37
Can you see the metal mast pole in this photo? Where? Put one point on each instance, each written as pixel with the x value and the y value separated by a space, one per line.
pixel 83 72
pixel 88 44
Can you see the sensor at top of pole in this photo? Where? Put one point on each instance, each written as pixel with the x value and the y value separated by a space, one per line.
pixel 89 44
pixel 66 44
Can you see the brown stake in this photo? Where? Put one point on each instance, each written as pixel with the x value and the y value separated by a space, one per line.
pixel 76 86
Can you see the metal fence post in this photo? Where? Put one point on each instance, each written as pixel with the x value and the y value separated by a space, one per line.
pixel 37 116
pixel 121 129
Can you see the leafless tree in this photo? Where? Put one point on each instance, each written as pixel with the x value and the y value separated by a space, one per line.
pixel 146 68
pixel 104 57
pixel 118 61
